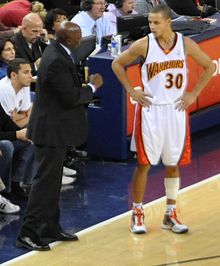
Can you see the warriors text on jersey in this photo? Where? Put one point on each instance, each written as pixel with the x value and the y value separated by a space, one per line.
pixel 164 73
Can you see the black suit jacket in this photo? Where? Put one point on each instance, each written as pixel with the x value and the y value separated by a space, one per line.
pixel 23 50
pixel 58 116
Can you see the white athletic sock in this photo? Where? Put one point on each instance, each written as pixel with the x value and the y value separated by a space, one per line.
pixel 170 207
pixel 137 205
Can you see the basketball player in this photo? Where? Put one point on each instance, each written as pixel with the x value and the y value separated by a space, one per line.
pixel 161 128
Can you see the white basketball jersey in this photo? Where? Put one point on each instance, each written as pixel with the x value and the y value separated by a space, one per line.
pixel 164 74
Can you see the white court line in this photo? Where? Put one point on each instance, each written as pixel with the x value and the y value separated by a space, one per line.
pixel 96 226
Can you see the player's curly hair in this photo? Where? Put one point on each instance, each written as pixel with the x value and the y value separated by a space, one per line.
pixel 38 7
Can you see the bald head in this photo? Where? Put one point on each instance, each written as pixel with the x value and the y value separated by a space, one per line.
pixel 32 26
pixel 69 34
pixel 31 19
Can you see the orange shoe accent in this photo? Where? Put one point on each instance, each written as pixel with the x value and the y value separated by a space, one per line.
pixel 137 221
pixel 172 223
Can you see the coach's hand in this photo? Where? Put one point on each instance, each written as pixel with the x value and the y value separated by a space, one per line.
pixel 96 80
pixel 185 101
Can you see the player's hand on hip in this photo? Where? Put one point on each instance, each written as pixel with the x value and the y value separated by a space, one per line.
pixel 185 101
pixel 141 97
pixel 96 80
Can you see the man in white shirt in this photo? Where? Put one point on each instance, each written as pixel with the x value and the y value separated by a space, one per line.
pixel 15 91
pixel 16 102
pixel 18 169
pixel 92 20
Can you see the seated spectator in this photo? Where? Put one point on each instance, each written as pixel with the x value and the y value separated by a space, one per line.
pixel 53 20
pixel 92 20
pixel 31 40
pixel 7 32
pixel 17 158
pixel 7 54
pixel 12 13
pixel 5 205
pixel 15 91
pixel 119 8
pixel 15 100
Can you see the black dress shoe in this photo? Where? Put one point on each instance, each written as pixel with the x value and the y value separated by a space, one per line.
pixel 60 236
pixel 27 242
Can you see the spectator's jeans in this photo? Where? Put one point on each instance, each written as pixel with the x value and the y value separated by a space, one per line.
pixel 17 162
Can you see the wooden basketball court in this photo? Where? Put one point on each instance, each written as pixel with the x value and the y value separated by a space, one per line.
pixel 111 244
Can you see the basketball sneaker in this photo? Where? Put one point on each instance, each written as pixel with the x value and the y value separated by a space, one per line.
pixel 171 222
pixel 7 207
pixel 137 221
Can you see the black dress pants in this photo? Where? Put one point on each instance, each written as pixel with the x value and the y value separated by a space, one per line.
pixel 43 203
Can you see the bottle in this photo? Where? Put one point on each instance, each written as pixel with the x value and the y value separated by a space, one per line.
pixel 119 42
pixel 114 46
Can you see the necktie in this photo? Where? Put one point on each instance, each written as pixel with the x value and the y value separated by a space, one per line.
pixel 30 47
pixel 72 57
pixel 94 32
pixel 94 29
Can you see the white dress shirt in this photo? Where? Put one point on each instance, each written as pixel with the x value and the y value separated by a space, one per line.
pixel 87 23
pixel 12 101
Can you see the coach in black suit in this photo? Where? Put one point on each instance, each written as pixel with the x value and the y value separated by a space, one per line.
pixel 58 120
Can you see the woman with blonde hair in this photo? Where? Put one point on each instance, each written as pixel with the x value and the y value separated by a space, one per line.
pixel 38 7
